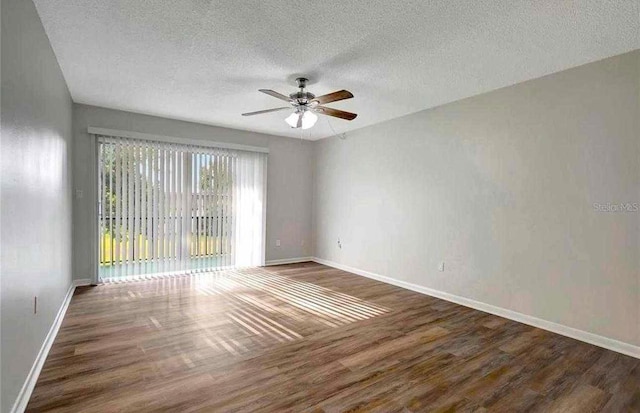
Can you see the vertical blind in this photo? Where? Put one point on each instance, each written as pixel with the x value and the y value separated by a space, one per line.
pixel 167 208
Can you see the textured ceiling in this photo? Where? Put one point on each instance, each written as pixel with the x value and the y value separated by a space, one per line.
pixel 204 61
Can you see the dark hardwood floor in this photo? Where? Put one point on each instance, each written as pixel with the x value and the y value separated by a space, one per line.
pixel 309 338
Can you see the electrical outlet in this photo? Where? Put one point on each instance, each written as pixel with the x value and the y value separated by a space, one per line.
pixel 339 244
pixel 277 243
pixel 441 266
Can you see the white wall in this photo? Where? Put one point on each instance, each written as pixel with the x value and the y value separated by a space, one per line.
pixel 501 187
pixel 35 210
pixel 289 179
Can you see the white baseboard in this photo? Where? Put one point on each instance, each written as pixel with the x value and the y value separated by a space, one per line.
pixel 597 340
pixel 81 282
pixel 22 400
pixel 288 261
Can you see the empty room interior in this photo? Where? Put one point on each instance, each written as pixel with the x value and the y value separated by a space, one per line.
pixel 320 206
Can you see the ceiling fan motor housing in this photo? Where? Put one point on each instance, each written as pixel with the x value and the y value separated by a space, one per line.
pixel 302 97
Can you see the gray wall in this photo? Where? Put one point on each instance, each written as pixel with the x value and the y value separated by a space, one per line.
pixel 35 206
pixel 289 179
pixel 501 187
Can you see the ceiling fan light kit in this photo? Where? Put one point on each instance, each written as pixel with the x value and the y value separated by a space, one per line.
pixel 305 105
pixel 308 119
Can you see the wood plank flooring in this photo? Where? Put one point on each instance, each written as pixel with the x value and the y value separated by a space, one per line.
pixel 309 338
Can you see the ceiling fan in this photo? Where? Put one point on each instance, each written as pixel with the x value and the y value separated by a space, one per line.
pixel 305 105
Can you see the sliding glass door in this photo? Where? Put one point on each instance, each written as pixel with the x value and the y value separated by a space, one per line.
pixel 167 208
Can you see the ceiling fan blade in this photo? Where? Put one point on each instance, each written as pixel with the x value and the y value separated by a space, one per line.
pixel 335 113
pixel 333 97
pixel 275 94
pixel 259 112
